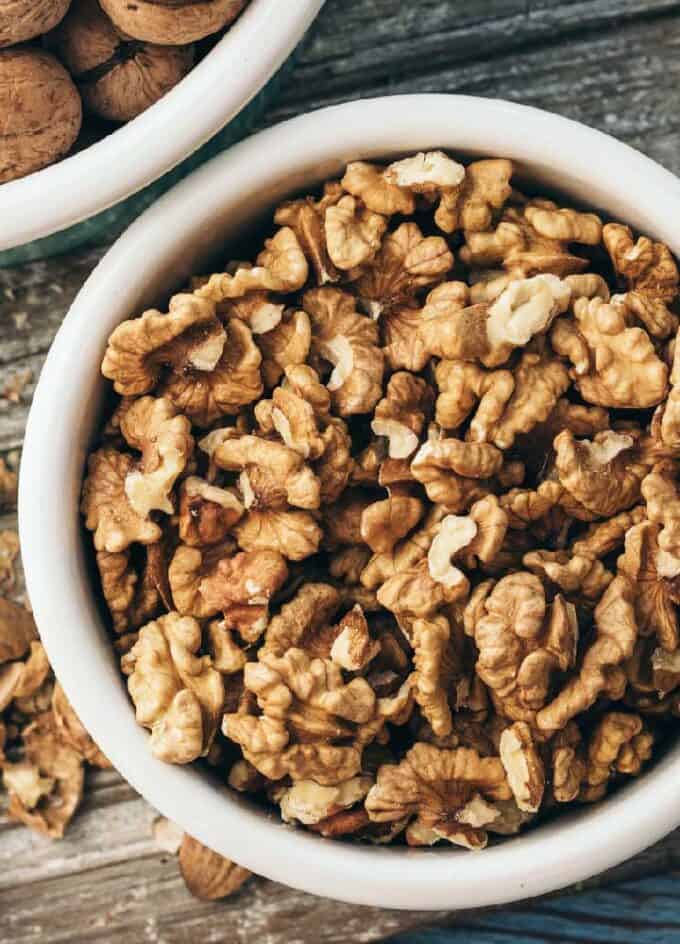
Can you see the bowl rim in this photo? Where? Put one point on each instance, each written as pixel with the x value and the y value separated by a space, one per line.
pixel 83 184
pixel 552 856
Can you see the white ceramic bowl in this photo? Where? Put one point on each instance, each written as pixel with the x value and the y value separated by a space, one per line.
pixel 163 247
pixel 137 153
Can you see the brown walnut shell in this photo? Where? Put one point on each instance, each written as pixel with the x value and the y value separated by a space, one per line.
pixel 172 22
pixel 25 19
pixel 40 111
pixel 118 77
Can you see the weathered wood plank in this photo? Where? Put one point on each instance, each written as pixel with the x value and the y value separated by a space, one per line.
pixel 111 874
pixel 640 912
pixel 355 43
pixel 139 895
pixel 624 82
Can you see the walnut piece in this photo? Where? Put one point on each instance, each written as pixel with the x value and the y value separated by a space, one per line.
pixel 407 262
pixel 280 267
pixel 309 802
pixel 440 788
pixel 181 705
pixel 306 707
pixel 614 362
pixel 347 340
pixel 485 188
pixel 353 233
pixel 206 512
pixel 602 474
pixel 522 641
pixel 648 266
pixel 523 766
pixel 489 333
pixel 614 641
pixel 165 442
pixel 233 382
pixel 189 336
pixel 106 506
pixel 383 523
pixel 400 415
pixel 46 788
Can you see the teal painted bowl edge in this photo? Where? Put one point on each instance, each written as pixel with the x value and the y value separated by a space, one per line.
pixel 105 226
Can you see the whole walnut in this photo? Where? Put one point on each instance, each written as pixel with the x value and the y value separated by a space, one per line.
pixel 24 19
pixel 40 111
pixel 118 77
pixel 171 22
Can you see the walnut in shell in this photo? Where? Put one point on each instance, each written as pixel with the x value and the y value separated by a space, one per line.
pixel 24 19
pixel 172 22
pixel 40 111
pixel 117 77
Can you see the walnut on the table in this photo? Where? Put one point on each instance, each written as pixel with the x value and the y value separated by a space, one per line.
pixel 46 787
pixel 207 875
pixel 72 732
pixel 420 575
pixel 43 746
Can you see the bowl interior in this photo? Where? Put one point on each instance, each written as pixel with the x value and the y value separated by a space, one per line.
pixel 194 223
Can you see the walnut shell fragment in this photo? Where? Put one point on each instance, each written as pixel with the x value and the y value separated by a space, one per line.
pixel 208 875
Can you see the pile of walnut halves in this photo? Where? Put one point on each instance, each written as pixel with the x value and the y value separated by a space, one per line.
pixel 43 745
pixel 388 521
pixel 44 748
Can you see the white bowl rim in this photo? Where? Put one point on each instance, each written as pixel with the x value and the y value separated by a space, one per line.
pixel 552 856
pixel 139 152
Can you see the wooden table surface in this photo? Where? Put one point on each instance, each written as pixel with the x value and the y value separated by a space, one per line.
pixel 614 64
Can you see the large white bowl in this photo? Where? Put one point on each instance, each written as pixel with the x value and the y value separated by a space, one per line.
pixel 137 153
pixel 163 247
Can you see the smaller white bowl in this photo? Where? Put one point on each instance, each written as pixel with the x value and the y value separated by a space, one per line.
pixel 157 253
pixel 137 153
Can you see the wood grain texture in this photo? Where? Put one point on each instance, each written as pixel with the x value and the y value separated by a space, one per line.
pixel 611 63
pixel 640 912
